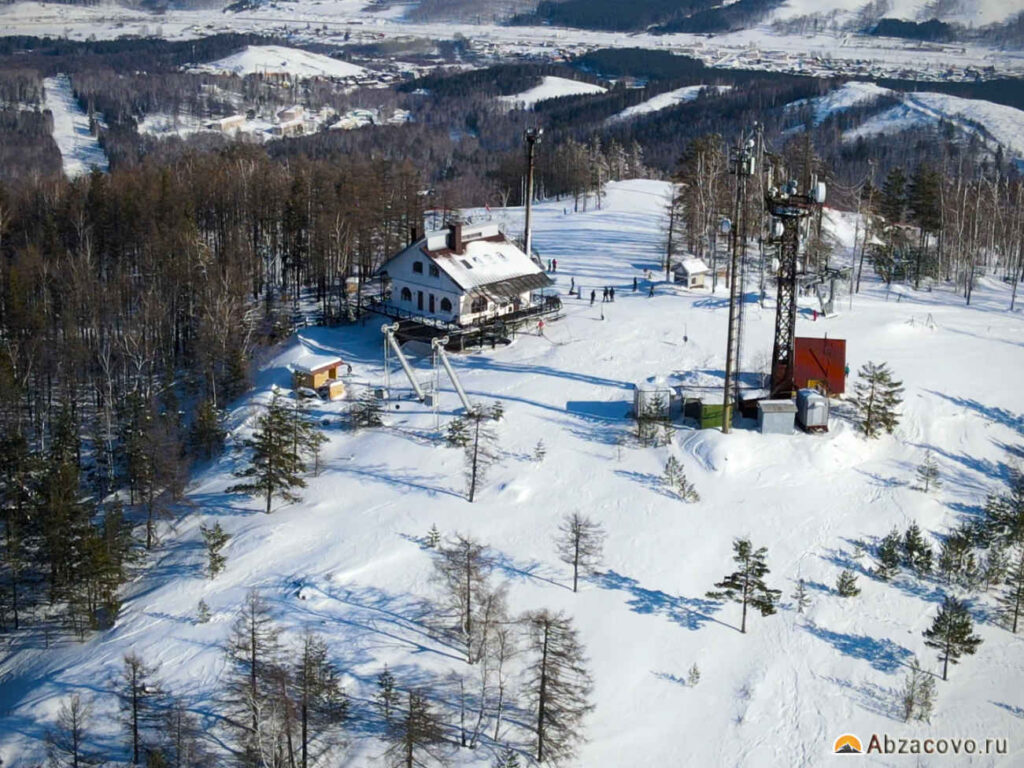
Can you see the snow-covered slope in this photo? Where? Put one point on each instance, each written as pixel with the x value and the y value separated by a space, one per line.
pixel 79 148
pixel 550 87
pixel 664 101
pixel 970 12
pixel 996 123
pixel 347 560
pixel 272 59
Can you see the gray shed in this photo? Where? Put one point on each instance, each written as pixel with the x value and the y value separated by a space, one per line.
pixel 812 410
pixel 776 417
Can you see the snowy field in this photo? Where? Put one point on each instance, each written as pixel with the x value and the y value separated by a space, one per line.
pixel 79 149
pixel 550 87
pixel 347 559
pixel 263 59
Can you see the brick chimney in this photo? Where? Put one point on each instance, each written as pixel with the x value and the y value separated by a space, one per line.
pixel 455 243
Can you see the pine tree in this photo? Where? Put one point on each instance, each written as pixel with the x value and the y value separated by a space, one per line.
pixel 508 758
pixel 894 196
pixel 65 743
pixel 481 453
pixel 139 697
pixel 846 584
pixel 415 732
pixel 460 570
pixel 1004 514
pixel 1011 601
pixel 215 539
pixel 957 562
pixel 387 695
pixel 675 479
pixel 951 633
pixel 579 543
pixel 917 697
pixel 917 553
pixel 457 435
pixel 693 676
pixel 497 411
pixel 206 438
pixel 277 464
pixel 559 686
pixel 253 655
pixel 433 537
pixel 889 555
pixel 746 586
pixel 180 743
pixel 367 411
pixel 995 565
pixel 202 612
pixel 876 399
pixel 800 597
pixel 928 474
pixel 321 703
pixel 539 452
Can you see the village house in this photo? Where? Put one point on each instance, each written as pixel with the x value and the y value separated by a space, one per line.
pixel 462 275
pixel 228 125
pixel 319 373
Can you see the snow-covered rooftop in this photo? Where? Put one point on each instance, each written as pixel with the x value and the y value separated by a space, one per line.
pixel 313 362
pixel 488 257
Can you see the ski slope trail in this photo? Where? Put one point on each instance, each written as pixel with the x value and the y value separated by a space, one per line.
pixel 79 148
pixel 348 560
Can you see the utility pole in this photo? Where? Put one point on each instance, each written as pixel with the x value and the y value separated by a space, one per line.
pixel 742 166
pixel 532 136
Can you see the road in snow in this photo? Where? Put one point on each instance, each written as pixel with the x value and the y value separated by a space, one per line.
pixel 78 147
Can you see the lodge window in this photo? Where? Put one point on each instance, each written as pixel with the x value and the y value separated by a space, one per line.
pixel 446 305
pixel 466 264
pixel 406 294
pixel 417 267
pixel 479 304
pixel 434 271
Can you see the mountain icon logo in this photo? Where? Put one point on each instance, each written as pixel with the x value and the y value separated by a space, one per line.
pixel 847 744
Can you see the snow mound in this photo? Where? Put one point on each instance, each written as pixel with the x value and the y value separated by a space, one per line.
pixel 666 100
pixel 550 88
pixel 276 59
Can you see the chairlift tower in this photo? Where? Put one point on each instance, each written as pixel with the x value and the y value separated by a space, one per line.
pixel 531 136
pixel 788 207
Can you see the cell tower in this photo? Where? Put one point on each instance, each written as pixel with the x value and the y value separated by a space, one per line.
pixel 531 136
pixel 788 207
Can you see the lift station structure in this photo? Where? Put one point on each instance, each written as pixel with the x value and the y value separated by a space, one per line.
pixel 788 208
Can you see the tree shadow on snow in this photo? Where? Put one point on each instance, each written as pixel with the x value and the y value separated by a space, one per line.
pixel 653 482
pixel 874 698
pixel 522 571
pixel 1013 710
pixel 688 612
pixel 994 470
pixel 397 478
pixel 883 654
pixel 1014 421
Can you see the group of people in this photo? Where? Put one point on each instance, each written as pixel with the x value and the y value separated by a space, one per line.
pixel 552 265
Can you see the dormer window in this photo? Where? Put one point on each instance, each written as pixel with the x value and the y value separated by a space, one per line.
pixel 466 264
pixel 417 267
pixel 434 271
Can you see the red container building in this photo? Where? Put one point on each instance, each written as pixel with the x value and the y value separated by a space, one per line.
pixel 820 363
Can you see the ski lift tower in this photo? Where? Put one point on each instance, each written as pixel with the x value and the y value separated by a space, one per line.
pixel 531 136
pixel 788 208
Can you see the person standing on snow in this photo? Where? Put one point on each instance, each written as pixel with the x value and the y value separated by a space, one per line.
pixel 634 284
pixel 611 293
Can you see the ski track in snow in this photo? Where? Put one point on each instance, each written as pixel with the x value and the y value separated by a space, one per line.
pixel 347 561
pixel 80 150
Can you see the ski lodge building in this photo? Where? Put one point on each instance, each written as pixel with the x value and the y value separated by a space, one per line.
pixel 462 276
